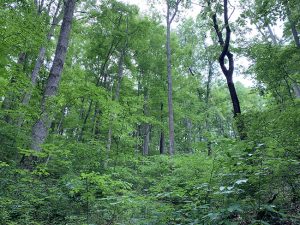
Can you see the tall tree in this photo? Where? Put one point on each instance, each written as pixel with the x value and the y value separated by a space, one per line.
pixel 172 9
pixel 41 55
pixel 40 128
pixel 228 72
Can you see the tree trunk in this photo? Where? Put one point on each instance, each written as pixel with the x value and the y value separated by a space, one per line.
pixel 297 42
pixel 228 72
pixel 80 137
pixel 233 95
pixel 189 126
pixel 272 35
pixel 170 97
pixel 293 25
pixel 41 56
pixel 296 89
pixel 147 130
pixel 207 96
pixel 146 126
pixel 117 94
pixel 162 136
pixel 40 128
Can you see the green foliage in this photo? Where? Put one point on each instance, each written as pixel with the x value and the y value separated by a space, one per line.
pixel 91 169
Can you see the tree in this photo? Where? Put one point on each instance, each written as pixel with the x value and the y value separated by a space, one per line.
pixel 172 9
pixel 40 128
pixel 226 54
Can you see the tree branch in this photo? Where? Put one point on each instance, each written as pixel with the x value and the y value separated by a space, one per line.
pixel 175 12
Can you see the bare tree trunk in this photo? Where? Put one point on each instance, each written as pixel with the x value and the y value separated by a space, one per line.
pixel 146 127
pixel 95 121
pixel 80 137
pixel 207 96
pixel 162 135
pixel 170 97
pixel 293 25
pixel 170 17
pixel 296 87
pixel 40 128
pixel 189 126
pixel 228 72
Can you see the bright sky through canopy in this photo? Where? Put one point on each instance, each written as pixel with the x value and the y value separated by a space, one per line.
pixel 193 12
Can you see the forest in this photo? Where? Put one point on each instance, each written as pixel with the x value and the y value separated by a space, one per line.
pixel 180 112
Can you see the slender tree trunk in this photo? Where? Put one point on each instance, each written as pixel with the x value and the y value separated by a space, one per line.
pixel 189 127
pixel 228 72
pixel 233 95
pixel 146 127
pixel 40 128
pixel 162 135
pixel 117 95
pixel 272 35
pixel 41 56
pixel 295 33
pixel 207 97
pixel 170 17
pixel 292 24
pixel 80 137
pixel 170 97
pixel 95 121
pixel 296 89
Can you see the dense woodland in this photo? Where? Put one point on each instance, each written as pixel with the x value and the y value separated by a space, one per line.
pixel 110 115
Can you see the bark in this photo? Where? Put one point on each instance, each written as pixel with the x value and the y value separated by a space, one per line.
pixel 95 121
pixel 40 6
pixel 146 126
pixel 170 17
pixel 295 33
pixel 189 126
pixel 147 130
pixel 80 137
pixel 162 143
pixel 109 136
pixel 207 96
pixel 296 89
pixel 162 135
pixel 293 25
pixel 40 128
